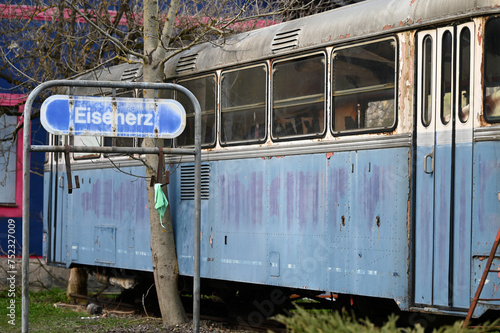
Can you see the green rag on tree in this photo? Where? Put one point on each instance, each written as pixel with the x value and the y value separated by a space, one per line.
pixel 161 202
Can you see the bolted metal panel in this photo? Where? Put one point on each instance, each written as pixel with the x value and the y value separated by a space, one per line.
pixel 105 244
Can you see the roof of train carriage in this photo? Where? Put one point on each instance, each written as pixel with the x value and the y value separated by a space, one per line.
pixel 359 20
pixel 121 72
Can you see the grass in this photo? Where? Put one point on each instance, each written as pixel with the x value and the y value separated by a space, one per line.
pixel 44 317
pixel 323 321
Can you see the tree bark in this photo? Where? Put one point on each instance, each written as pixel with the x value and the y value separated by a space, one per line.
pixel 164 255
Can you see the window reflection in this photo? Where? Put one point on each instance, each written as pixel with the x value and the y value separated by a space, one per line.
pixel 364 86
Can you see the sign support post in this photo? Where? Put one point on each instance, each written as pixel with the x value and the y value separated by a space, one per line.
pixel 28 148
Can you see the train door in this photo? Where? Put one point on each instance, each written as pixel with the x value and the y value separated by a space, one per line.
pixel 55 207
pixel 443 167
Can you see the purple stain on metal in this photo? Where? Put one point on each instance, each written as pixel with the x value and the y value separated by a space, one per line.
pixel 338 179
pixel 237 199
pixel 91 199
pixel 107 199
pixel 370 197
pixel 308 198
pixel 274 193
pixel 291 189
pixel 232 199
pixel 223 197
pixel 255 195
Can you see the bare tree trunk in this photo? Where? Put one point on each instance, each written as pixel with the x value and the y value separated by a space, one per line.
pixel 77 282
pixel 165 267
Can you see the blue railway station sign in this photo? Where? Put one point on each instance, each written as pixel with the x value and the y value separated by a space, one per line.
pixel 113 116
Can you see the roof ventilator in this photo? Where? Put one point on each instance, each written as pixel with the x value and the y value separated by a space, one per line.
pixel 287 40
pixel 187 63
pixel 130 74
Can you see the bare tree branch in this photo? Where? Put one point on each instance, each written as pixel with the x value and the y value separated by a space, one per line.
pixel 115 41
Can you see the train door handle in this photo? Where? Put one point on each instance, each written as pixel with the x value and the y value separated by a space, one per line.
pixel 431 156
pixel 61 182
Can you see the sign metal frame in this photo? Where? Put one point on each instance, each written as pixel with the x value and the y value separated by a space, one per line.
pixel 28 148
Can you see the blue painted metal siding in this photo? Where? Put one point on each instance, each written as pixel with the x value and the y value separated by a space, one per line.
pixel 278 221
pixel 462 226
pixel 486 218
pixel 333 222
pixel 106 220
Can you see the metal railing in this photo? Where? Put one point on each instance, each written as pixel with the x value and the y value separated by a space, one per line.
pixel 28 148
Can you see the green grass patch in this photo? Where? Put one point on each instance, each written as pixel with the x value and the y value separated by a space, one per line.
pixel 44 317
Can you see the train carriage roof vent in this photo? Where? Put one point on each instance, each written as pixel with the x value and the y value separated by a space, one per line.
pixel 130 74
pixel 187 182
pixel 187 63
pixel 286 40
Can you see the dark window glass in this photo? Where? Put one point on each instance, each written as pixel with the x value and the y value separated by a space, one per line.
pixel 464 75
pixel 8 159
pixel 492 71
pixel 427 81
pixel 299 97
pixel 243 105
pixel 446 76
pixel 203 89
pixel 364 86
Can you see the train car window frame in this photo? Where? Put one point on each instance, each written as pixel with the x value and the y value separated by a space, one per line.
pixel 88 141
pixel 8 160
pixel 446 77
pixel 232 131
pixel 491 63
pixel 206 129
pixel 361 102
pixel 301 116
pixel 427 84
pixel 465 74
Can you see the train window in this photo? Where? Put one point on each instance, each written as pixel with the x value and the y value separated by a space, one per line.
pixel 427 81
pixel 299 97
pixel 464 75
pixel 203 89
pixel 117 142
pixel 243 105
pixel 492 71
pixel 87 141
pixel 364 81
pixel 8 159
pixel 446 76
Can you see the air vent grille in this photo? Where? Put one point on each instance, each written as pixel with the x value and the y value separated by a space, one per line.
pixel 130 74
pixel 187 63
pixel 187 182
pixel 287 40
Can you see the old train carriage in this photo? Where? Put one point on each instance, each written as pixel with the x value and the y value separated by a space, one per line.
pixel 354 152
